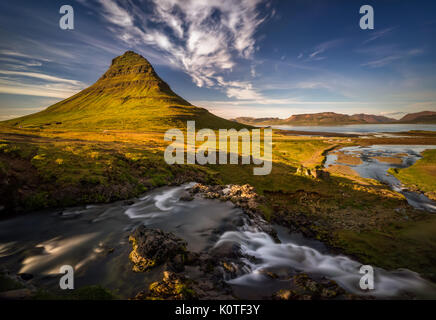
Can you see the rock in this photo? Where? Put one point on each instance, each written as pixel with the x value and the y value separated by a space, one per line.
pixel 321 174
pixel 186 196
pixel 16 294
pixel 25 276
pixel 152 247
pixel 172 287
pixel 306 288
pixel 226 250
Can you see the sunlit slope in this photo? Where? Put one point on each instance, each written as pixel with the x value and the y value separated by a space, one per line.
pixel 130 95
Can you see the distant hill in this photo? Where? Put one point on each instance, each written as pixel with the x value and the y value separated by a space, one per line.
pixel 315 119
pixel 130 95
pixel 419 117
pixel 258 121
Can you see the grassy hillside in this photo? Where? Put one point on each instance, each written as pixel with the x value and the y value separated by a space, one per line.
pixel 129 96
pixel 422 175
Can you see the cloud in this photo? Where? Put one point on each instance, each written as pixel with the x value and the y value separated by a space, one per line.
pixel 315 55
pixel 40 76
pixel 17 54
pixel 38 84
pixel 379 34
pixel 203 38
pixel 381 62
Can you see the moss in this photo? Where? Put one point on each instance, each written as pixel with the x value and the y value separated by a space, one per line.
pixel 6 283
pixel 93 292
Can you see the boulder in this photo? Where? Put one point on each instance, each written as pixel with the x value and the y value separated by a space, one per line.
pixel 152 247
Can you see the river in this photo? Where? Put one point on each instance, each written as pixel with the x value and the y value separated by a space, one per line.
pixel 94 240
pixel 375 169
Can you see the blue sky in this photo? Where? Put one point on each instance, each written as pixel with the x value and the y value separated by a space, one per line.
pixel 234 57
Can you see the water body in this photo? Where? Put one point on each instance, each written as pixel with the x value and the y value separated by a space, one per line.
pixel 94 239
pixel 374 169
pixel 362 128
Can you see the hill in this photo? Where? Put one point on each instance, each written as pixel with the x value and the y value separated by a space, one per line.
pixel 419 117
pixel 130 95
pixel 315 119
pixel 257 121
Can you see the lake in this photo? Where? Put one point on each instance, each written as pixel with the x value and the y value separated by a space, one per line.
pixel 362 128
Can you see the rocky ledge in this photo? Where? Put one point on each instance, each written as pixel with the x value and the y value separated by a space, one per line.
pixel 303 287
pixel 244 197
pixel 186 274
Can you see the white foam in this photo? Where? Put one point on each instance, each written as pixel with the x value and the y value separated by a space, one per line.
pixel 339 268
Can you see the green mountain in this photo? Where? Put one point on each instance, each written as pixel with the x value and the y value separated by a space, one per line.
pixel 130 95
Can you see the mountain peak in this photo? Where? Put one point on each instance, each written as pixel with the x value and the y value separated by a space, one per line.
pixel 130 57
pixel 130 63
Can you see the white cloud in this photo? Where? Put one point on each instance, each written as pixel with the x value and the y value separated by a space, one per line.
pixel 315 55
pixel 39 84
pixel 379 34
pixel 202 37
pixel 40 76
pixel 380 62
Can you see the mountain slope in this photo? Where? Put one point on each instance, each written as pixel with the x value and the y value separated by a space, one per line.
pixel 130 95
pixel 419 117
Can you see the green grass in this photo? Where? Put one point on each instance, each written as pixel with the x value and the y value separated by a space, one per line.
pixel 422 173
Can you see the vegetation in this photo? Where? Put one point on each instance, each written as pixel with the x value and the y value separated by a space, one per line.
pixel 421 175
pixel 106 143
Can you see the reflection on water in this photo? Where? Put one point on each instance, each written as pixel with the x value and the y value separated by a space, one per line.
pixel 94 239
pixel 374 169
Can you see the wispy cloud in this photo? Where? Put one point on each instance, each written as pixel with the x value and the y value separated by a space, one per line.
pixel 37 84
pixel 41 76
pixel 323 47
pixel 379 34
pixel 203 38
pixel 385 60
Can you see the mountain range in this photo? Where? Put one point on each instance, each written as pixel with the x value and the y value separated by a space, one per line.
pixel 131 96
pixel 332 118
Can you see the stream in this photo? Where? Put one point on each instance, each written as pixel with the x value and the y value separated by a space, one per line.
pixel 94 240
pixel 377 170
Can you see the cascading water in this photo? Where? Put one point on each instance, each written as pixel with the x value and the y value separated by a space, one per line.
pixel 82 237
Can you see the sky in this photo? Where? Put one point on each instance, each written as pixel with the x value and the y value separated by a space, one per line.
pixel 257 58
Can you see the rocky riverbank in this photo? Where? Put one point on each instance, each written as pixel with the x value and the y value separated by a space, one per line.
pixel 204 275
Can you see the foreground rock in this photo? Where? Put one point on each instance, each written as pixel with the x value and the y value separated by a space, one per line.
pixel 304 287
pixel 244 197
pixel 186 275
pixel 313 173
pixel 153 247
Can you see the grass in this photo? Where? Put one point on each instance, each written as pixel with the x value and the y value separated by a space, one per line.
pixel 106 143
pixel 58 168
pixel 422 174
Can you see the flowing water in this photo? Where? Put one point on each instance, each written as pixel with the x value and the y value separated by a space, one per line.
pixel 374 169
pixel 94 239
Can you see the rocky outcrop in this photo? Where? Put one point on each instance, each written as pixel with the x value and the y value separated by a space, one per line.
pixel 313 173
pixel 152 247
pixel 304 287
pixel 244 197
pixel 186 275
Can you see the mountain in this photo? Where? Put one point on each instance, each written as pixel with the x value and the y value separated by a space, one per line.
pixel 370 118
pixel 257 121
pixel 130 95
pixel 419 117
pixel 315 119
